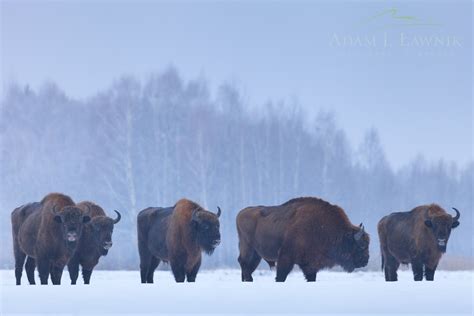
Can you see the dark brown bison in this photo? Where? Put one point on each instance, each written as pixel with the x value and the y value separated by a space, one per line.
pixel 305 231
pixel 418 237
pixel 48 233
pixel 96 240
pixel 176 234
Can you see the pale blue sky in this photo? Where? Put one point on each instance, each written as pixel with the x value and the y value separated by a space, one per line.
pixel 419 98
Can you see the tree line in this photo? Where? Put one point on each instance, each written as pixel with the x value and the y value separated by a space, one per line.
pixel 142 143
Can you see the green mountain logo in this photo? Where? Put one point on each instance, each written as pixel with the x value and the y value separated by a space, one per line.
pixel 391 17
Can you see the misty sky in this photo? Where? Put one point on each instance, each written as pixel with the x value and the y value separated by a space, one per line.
pixel 368 65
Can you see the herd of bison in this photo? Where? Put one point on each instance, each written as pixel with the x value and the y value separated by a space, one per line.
pixel 306 231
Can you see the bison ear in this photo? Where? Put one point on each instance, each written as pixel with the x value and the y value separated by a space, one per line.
pixel 58 219
pixel 86 219
pixel 428 223
pixel 455 224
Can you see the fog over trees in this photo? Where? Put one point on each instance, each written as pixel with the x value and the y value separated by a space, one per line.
pixel 151 142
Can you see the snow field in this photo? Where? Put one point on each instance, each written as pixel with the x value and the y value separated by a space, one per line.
pixel 222 292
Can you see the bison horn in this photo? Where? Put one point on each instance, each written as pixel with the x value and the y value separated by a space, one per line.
pixel 358 235
pixel 118 217
pixel 219 211
pixel 55 210
pixel 455 218
pixel 194 216
pixel 89 210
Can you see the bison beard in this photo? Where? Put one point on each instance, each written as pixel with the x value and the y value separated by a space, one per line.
pixel 418 237
pixel 308 232
pixel 206 242
pixel 176 234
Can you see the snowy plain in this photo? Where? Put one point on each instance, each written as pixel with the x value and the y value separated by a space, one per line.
pixel 221 292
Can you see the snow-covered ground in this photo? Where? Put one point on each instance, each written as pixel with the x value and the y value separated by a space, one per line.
pixel 221 292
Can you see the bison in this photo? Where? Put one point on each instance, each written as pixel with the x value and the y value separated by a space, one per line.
pixel 418 237
pixel 306 231
pixel 96 240
pixel 48 233
pixel 176 235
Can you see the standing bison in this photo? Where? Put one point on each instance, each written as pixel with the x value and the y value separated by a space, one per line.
pixel 305 231
pixel 176 234
pixel 96 240
pixel 418 237
pixel 48 233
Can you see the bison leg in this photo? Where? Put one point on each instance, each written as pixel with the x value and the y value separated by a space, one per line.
pixel 86 275
pixel 145 263
pixel 143 272
pixel 178 271
pixel 248 261
pixel 309 272
pixel 43 270
pixel 30 270
pixel 20 257
pixel 417 268
pixel 284 267
pixel 391 267
pixel 73 268
pixel 191 275
pixel 151 270
pixel 429 273
pixel 56 274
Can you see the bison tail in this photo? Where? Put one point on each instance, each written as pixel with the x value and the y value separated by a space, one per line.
pixel 382 261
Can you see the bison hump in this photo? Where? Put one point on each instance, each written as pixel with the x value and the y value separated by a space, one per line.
pixel 265 211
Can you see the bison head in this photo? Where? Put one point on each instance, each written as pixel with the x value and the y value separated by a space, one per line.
pixel 205 226
pixel 441 225
pixel 102 228
pixel 356 248
pixel 71 220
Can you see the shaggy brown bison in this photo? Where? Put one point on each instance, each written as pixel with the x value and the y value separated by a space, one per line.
pixel 48 233
pixel 96 240
pixel 418 237
pixel 176 234
pixel 305 231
